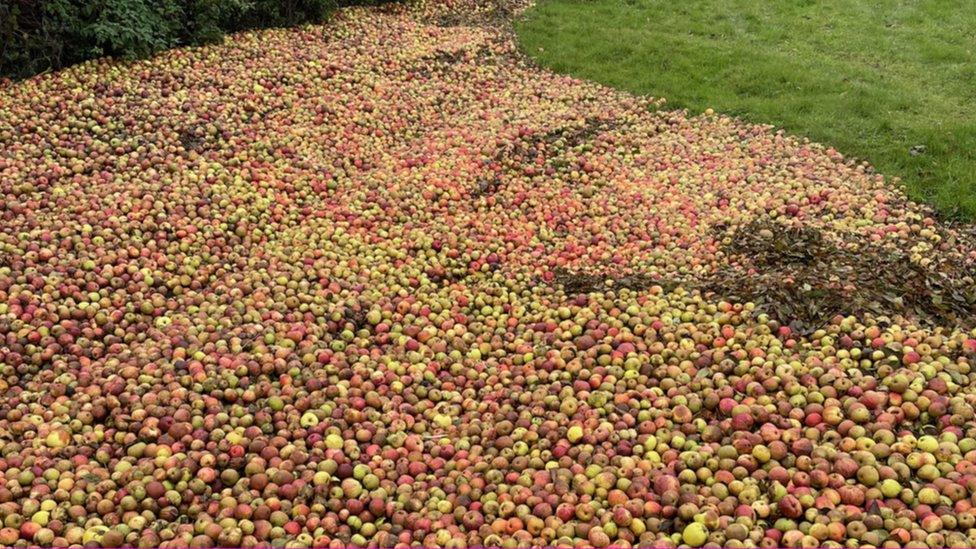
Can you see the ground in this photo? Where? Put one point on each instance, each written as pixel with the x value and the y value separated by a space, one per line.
pixel 886 81
pixel 384 282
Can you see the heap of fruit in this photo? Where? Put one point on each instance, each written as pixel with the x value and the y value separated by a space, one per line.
pixel 322 287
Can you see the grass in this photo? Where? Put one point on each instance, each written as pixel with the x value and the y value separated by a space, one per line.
pixel 888 81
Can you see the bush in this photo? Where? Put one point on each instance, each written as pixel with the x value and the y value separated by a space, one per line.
pixel 284 12
pixel 37 35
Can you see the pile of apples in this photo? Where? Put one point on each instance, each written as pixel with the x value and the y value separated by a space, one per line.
pixel 301 288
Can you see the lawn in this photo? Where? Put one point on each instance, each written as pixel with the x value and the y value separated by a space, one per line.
pixel 891 82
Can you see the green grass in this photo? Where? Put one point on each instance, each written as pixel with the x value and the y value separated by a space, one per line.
pixel 873 78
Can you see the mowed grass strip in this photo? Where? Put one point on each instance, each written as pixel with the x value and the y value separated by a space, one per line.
pixel 890 82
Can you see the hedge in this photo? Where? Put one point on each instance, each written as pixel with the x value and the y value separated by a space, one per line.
pixel 40 35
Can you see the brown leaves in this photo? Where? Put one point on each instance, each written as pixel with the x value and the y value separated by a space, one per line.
pixel 583 283
pixel 578 283
pixel 192 139
pixel 802 278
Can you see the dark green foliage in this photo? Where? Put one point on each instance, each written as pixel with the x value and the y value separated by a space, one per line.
pixel 284 12
pixel 38 35
pixel 208 20
pixel 32 36
pixel 129 28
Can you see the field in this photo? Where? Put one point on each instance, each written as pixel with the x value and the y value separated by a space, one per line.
pixel 890 82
